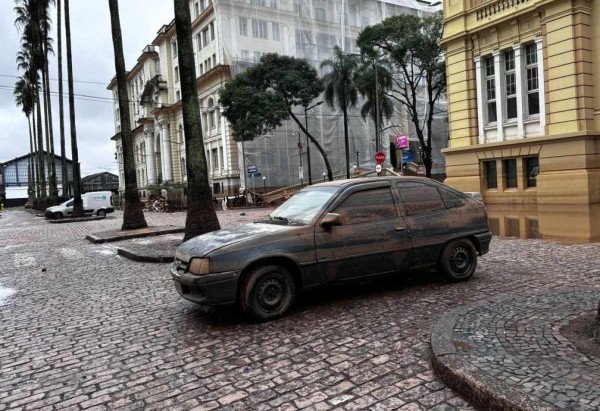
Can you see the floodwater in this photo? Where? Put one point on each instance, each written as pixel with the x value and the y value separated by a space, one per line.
pixel 4 294
pixel 566 223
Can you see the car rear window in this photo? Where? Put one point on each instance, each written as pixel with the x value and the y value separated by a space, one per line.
pixel 419 198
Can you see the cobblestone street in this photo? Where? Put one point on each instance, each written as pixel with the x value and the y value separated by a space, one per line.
pixel 87 328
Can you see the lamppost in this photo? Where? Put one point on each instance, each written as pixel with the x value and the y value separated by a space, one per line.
pixel 264 183
pixel 357 163
pixel 324 174
pixel 306 109
pixel 300 170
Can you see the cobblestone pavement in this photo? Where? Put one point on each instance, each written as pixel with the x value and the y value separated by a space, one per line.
pixel 86 328
pixel 517 343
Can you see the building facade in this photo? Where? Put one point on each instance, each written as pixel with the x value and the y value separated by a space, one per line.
pixel 15 175
pixel 228 37
pixel 524 106
pixel 103 181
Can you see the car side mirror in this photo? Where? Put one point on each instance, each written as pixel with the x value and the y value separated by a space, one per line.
pixel 330 220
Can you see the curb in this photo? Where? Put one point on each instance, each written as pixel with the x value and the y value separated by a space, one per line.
pixel 461 376
pixel 98 238
pixel 144 258
pixel 75 220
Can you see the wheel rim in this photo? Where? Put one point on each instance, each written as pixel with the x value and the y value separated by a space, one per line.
pixel 270 294
pixel 460 260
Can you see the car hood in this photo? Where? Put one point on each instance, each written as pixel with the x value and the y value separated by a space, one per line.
pixel 209 242
pixel 54 208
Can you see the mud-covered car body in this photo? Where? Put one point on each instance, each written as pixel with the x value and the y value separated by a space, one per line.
pixel 364 227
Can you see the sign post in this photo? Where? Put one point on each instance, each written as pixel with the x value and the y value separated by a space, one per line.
pixel 379 159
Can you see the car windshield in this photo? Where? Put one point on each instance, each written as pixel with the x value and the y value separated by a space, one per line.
pixel 303 206
pixel 68 203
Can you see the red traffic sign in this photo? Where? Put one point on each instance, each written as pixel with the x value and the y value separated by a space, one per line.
pixel 379 157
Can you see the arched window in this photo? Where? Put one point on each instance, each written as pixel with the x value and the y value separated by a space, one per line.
pixel 180 134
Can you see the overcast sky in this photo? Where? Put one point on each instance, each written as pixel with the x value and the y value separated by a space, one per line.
pixel 93 61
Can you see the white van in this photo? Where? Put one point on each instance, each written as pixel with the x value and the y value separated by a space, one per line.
pixel 95 203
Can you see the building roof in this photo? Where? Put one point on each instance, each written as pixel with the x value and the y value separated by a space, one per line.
pixel 56 157
pixel 92 176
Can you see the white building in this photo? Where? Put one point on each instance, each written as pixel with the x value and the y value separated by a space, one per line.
pixel 229 36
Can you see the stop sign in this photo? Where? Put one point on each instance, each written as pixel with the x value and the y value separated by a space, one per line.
pixel 379 157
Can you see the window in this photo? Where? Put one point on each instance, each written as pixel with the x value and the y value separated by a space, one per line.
pixel 532 168
pixel 214 60
pixel 245 55
pixel 365 21
pixel 259 29
pixel 205 37
pixel 273 4
pixel 177 95
pixel 259 2
pixel 212 30
pixel 511 84
pixel 490 174
pixel 531 67
pixel 201 70
pixel 276 35
pixel 490 82
pixel 510 173
pixel 176 74
pixel 174 48
pixel 215 159
pixel 320 14
pixel 243 26
pixel 451 199
pixel 196 9
pixel 367 206
pixel 419 198
pixel 211 119
pixel 199 41
pixel 257 55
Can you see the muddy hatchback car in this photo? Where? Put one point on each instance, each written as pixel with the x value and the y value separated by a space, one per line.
pixel 331 233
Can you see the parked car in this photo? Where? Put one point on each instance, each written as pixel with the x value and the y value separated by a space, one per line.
pixel 331 233
pixel 94 203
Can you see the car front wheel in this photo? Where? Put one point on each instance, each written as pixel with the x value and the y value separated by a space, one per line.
pixel 459 260
pixel 57 216
pixel 101 213
pixel 268 292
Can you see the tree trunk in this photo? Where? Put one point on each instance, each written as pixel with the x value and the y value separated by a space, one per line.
pixel 50 128
pixel 77 201
pixel 34 156
pixel 201 216
pixel 40 141
pixel 61 113
pixel 317 144
pixel 427 160
pixel 30 179
pixel 133 215
pixel 346 142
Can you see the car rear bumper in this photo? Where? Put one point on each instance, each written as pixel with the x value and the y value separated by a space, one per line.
pixel 484 240
pixel 209 289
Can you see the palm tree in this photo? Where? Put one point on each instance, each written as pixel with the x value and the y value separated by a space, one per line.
pixel 61 113
pixel 201 215
pixel 133 215
pixel 340 89
pixel 77 201
pixel 24 93
pixel 378 105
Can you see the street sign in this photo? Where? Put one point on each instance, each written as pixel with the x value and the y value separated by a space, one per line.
pixel 408 156
pixel 252 169
pixel 402 141
pixel 378 168
pixel 256 174
pixel 379 157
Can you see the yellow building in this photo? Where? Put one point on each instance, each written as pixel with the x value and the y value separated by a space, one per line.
pixel 524 110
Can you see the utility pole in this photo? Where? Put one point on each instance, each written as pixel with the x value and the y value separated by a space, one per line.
pixel 306 109
pixel 376 105
pixel 357 163
pixel 300 170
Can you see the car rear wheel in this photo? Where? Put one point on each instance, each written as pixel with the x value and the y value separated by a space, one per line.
pixel 57 216
pixel 459 260
pixel 101 213
pixel 268 292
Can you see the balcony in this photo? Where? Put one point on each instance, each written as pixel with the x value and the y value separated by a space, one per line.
pixel 484 9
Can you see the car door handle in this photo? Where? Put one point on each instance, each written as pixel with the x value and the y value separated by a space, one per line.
pixel 400 228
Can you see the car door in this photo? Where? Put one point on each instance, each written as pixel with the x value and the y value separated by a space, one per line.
pixel 372 238
pixel 69 208
pixel 427 219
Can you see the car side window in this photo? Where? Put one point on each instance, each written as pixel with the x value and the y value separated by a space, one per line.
pixel 452 199
pixel 367 206
pixel 70 204
pixel 419 198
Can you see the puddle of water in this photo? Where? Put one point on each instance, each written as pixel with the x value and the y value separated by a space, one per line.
pixel 4 294
pixel 565 223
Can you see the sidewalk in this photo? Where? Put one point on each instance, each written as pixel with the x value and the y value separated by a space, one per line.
pixel 510 353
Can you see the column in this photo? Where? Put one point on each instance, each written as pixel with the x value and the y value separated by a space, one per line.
pixel 499 96
pixel 541 83
pixel 519 84
pixel 481 99
pixel 166 151
pixel 224 142
pixel 150 169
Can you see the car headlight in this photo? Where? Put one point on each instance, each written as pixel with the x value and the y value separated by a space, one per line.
pixel 199 266
pixel 181 256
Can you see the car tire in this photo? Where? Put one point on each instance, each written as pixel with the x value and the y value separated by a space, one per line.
pixel 101 213
pixel 268 292
pixel 57 216
pixel 458 260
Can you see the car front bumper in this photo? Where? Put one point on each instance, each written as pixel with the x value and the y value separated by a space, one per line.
pixel 209 289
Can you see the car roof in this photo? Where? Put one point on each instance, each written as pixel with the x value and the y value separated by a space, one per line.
pixel 362 180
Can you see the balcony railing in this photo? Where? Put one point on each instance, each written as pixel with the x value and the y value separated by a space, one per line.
pixel 489 8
